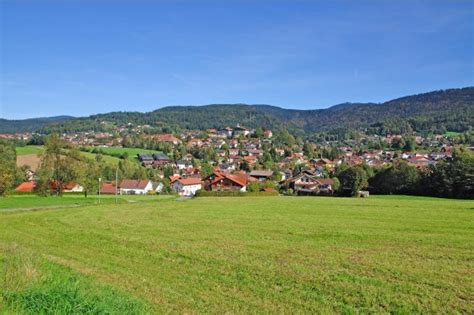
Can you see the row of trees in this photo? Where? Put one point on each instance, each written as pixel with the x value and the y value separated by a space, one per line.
pixel 453 178
pixel 10 174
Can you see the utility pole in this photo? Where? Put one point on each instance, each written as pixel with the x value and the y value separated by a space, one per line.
pixel 100 180
pixel 116 183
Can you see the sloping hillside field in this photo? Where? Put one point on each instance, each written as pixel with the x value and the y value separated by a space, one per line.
pixel 241 255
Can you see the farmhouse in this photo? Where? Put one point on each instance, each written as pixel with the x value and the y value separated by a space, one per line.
pixel 169 138
pixel 225 132
pixel 187 186
pixel 261 175
pixel 223 181
pixel 182 164
pixel 108 188
pixel 241 131
pixel 146 159
pixel 308 183
pixel 160 159
pixel 157 187
pixel 267 133
pixel 26 187
pixel 73 187
pixel 135 187
pixel 420 161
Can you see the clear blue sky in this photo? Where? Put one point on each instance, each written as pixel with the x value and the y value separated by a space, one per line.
pixel 85 57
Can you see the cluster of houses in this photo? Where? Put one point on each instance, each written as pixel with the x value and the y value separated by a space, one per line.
pixel 187 185
pixel 237 161
pixel 125 187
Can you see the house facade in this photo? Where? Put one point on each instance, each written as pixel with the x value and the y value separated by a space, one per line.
pixel 224 181
pixel 135 186
pixel 187 186
pixel 307 183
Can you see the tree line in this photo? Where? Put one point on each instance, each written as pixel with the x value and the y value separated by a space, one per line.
pixel 453 178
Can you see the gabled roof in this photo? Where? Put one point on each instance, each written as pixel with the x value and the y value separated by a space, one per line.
pixel 26 187
pixel 174 178
pixel 107 188
pixel 145 156
pixel 190 181
pixel 300 175
pixel 70 185
pixel 261 173
pixel 160 156
pixel 238 179
pixel 166 138
pixel 326 181
pixel 134 183
pixel 183 162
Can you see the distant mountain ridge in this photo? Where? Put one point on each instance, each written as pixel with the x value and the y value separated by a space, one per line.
pixel 451 109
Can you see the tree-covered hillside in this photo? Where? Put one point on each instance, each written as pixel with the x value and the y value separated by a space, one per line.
pixel 32 124
pixel 439 111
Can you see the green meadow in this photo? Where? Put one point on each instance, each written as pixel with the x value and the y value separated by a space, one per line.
pixel 112 160
pixel 132 152
pixel 18 202
pixel 29 149
pixel 383 254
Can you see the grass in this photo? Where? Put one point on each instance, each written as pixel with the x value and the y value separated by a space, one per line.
pixel 34 285
pixel 452 134
pixel 30 149
pixel 262 254
pixel 27 201
pixel 112 160
pixel 110 153
pixel 107 155
pixel 106 158
pixel 132 152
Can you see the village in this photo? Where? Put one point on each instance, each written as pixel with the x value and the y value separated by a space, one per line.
pixel 239 159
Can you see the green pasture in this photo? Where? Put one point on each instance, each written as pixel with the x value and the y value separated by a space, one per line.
pixel 29 149
pixel 383 254
pixel 33 201
pixel 132 152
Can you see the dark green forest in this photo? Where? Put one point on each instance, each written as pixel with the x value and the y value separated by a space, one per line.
pixel 428 113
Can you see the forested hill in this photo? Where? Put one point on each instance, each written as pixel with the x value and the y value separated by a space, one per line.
pixel 437 111
pixel 31 124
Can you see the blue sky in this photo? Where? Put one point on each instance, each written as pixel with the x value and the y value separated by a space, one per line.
pixel 84 57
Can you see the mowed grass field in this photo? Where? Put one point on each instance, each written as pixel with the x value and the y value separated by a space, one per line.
pixel 29 149
pixel 29 155
pixel 32 201
pixel 242 255
pixel 132 152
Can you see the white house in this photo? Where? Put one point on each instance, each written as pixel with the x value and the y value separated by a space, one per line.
pixel 158 187
pixel 187 186
pixel 73 187
pixel 135 187
pixel 182 164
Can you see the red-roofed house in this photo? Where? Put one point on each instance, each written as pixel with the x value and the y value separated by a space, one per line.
pixel 26 187
pixel 187 186
pixel 135 186
pixel 72 187
pixel 174 178
pixel 107 188
pixel 223 181
pixel 166 138
pixel 308 183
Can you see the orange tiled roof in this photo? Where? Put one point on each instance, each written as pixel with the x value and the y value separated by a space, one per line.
pixel 26 187
pixel 190 181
